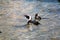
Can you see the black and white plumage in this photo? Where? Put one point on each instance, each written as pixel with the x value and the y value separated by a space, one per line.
pixel 26 16
pixel 37 17
pixel 30 21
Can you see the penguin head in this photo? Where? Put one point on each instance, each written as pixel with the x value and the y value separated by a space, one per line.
pixel 36 14
pixel 28 17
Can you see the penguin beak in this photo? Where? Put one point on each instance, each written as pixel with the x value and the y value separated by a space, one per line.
pixel 24 15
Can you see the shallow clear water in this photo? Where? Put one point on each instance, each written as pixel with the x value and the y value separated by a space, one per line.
pixel 12 20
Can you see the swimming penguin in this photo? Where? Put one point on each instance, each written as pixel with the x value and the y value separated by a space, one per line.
pixel 30 21
pixel 37 17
